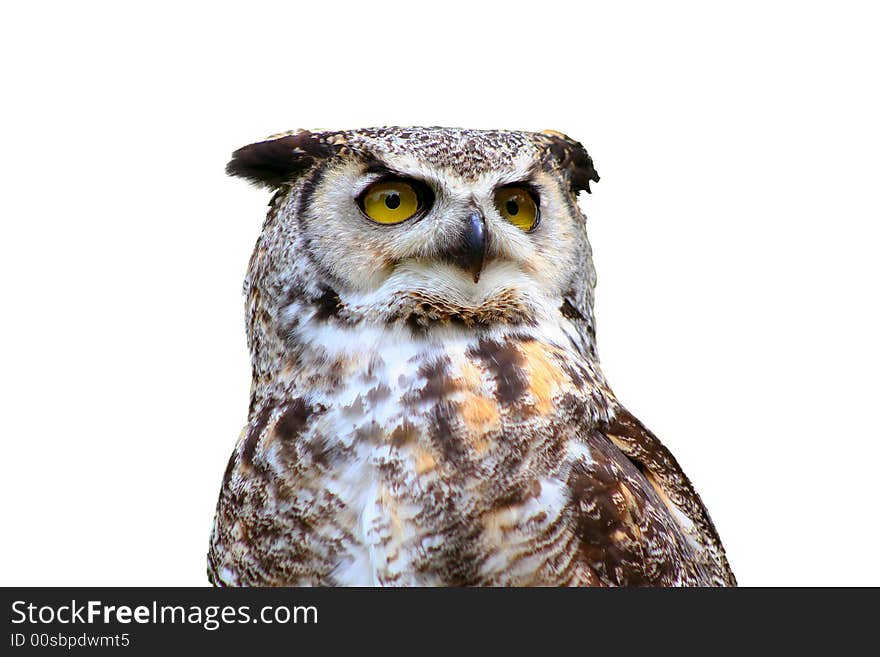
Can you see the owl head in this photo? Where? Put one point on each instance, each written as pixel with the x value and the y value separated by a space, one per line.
pixel 421 226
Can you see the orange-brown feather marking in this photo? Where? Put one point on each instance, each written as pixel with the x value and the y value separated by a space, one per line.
pixel 544 375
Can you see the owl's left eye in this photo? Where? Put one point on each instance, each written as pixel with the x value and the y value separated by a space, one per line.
pixel 518 206
pixel 391 201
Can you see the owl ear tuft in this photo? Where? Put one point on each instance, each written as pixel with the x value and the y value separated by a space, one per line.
pixel 572 157
pixel 278 161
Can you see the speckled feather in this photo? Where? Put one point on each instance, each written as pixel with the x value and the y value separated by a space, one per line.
pixel 411 427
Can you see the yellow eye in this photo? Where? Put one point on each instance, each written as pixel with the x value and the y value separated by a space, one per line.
pixel 517 206
pixel 390 202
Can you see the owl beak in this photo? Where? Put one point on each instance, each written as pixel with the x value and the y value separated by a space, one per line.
pixel 471 250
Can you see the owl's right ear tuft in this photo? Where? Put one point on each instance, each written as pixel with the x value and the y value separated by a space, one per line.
pixel 276 162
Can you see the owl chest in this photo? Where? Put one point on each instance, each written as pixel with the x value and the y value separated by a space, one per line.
pixel 441 466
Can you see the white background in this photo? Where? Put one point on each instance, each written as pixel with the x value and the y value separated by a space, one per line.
pixel 735 236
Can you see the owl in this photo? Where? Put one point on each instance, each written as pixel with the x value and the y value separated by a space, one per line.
pixel 427 406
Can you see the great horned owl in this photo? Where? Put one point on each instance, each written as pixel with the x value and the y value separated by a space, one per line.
pixel 427 406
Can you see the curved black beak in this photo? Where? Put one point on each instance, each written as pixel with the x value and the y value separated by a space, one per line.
pixel 471 250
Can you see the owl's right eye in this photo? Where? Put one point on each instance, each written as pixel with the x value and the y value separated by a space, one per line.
pixel 390 201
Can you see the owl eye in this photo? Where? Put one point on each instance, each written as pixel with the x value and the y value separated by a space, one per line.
pixel 517 205
pixel 390 201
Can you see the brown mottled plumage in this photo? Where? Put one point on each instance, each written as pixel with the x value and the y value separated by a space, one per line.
pixel 427 406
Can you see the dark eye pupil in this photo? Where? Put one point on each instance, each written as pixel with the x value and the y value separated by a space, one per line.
pixel 512 207
pixel 392 201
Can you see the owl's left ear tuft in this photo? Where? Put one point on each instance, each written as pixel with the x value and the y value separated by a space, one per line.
pixel 572 157
pixel 279 161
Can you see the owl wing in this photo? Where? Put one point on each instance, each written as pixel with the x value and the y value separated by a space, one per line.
pixel 667 534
